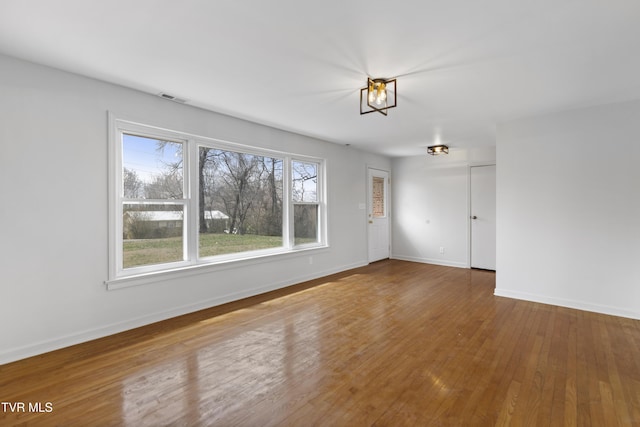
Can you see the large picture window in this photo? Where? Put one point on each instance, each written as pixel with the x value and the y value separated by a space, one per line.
pixel 181 200
pixel 240 202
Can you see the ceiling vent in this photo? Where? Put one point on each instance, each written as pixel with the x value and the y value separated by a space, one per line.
pixel 172 98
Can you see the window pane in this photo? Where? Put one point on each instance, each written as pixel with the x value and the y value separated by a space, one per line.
pixel 152 168
pixel 305 181
pixel 240 202
pixel 152 234
pixel 378 197
pixel 305 224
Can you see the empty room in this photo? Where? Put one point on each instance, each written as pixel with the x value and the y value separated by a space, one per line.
pixel 334 213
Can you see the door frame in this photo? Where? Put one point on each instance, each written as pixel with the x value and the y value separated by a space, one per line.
pixel 469 207
pixel 370 205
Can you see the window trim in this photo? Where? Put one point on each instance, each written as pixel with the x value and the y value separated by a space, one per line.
pixel 320 198
pixel 119 277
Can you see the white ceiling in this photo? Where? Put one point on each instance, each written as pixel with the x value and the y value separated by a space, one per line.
pixel 462 65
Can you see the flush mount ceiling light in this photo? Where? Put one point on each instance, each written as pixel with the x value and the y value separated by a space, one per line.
pixel 434 150
pixel 379 95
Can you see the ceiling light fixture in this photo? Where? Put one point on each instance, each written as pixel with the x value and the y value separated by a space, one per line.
pixel 379 95
pixel 434 150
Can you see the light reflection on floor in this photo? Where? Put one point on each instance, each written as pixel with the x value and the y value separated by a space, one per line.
pixel 222 376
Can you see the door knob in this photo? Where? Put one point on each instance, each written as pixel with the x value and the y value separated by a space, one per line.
pixel 474 217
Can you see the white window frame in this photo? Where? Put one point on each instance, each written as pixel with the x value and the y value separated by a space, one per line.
pixel 121 277
pixel 320 197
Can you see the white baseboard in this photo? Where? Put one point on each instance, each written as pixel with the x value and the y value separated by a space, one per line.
pixel 430 261
pixel 562 302
pixel 41 347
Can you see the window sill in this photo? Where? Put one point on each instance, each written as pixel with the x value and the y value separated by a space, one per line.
pixel 206 267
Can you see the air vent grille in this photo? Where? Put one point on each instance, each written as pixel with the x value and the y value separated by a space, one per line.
pixel 172 98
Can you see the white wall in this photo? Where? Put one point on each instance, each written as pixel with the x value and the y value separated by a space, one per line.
pixel 568 209
pixel 54 214
pixel 431 206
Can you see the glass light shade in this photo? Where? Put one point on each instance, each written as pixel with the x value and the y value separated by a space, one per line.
pixel 434 150
pixel 377 96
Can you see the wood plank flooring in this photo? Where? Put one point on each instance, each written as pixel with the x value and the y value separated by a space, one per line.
pixel 391 344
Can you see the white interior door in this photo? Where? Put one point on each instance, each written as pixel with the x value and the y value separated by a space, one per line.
pixel 378 214
pixel 483 217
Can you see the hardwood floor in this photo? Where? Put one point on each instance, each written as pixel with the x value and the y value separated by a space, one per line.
pixel 391 344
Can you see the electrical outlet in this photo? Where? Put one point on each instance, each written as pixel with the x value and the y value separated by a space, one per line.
pixel 441 249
